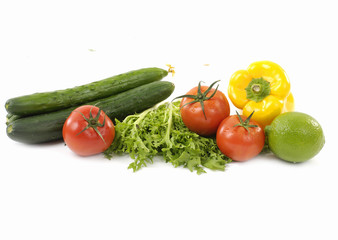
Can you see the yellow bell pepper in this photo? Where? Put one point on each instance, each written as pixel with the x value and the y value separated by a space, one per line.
pixel 289 104
pixel 264 88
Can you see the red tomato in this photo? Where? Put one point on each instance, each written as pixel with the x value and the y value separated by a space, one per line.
pixel 216 109
pixel 240 139
pixel 87 133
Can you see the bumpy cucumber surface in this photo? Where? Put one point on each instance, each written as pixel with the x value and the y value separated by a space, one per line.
pixel 48 127
pixel 45 102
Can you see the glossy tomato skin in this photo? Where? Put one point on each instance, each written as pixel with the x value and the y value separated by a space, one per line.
pixel 88 142
pixel 238 143
pixel 216 109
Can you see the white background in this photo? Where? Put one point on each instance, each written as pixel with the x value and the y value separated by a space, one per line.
pixel 47 192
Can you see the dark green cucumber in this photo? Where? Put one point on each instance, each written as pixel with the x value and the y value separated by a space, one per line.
pixel 45 102
pixel 48 127
pixel 11 118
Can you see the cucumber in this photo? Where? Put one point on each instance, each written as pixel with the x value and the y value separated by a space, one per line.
pixel 45 102
pixel 48 126
pixel 11 118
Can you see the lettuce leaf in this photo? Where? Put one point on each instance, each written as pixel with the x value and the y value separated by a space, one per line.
pixel 160 131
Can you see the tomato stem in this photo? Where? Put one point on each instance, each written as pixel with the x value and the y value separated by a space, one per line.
pixel 245 123
pixel 200 97
pixel 93 122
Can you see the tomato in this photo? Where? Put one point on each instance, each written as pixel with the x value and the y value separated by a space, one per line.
pixel 203 108
pixel 240 138
pixel 88 130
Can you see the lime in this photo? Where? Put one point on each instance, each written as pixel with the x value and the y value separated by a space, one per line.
pixel 295 137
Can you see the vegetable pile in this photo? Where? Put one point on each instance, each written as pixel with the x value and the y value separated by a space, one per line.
pixel 161 131
pixel 125 114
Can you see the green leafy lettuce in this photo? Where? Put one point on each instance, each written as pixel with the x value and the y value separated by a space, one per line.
pixel 160 131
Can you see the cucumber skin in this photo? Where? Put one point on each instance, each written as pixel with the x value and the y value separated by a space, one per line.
pixel 48 127
pixel 11 118
pixel 45 102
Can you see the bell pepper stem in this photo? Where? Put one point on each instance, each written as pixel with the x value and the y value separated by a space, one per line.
pixel 258 89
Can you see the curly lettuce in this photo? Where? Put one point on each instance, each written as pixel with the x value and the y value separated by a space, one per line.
pixel 160 131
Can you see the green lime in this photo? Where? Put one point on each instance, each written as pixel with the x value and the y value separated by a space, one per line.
pixel 295 137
